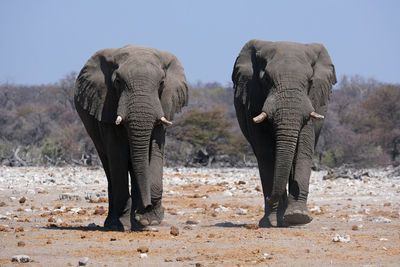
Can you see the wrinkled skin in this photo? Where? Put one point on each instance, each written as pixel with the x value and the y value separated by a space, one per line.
pixel 123 95
pixel 289 84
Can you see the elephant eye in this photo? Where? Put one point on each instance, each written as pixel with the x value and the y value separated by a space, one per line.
pixel 160 88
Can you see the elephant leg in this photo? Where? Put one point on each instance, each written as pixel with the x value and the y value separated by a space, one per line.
pixel 118 184
pixel 297 211
pixel 93 128
pixel 264 150
pixel 154 214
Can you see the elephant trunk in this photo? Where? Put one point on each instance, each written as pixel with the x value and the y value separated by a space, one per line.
pixel 286 142
pixel 142 115
pixel 140 127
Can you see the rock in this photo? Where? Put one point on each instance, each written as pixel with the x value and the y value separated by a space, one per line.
pixel 19 229
pixel 143 256
pixel 241 182
pixel 99 211
pixel 67 196
pixel 339 238
pixel 92 225
pixel 4 218
pixel 354 228
pixel 251 226
pixel 113 239
pixel 22 200
pixel 21 258
pixel 21 244
pixel 192 222
pixel 199 264
pixel 241 211
pixel 3 204
pixel 83 261
pixel 258 188
pixel 143 249
pixel 379 219
pixel 174 231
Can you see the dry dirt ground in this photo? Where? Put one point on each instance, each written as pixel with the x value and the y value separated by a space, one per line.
pixel 54 215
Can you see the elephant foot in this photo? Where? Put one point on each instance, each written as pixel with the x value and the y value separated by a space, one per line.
pixel 113 224
pixel 152 215
pixel 121 223
pixel 297 213
pixel 270 218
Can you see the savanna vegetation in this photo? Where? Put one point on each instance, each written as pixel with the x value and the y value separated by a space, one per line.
pixel 39 126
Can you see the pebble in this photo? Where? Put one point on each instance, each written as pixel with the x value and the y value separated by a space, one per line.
pixel 342 239
pixel 174 231
pixel 92 225
pixel 22 200
pixel 192 222
pixel 379 219
pixel 21 244
pixel 143 256
pixel 21 258
pixel 83 261
pixel 4 218
pixel 241 212
pixel 251 226
pixel 143 249
pixel 67 196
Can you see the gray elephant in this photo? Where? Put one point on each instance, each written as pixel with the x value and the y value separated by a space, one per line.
pixel 282 91
pixel 126 97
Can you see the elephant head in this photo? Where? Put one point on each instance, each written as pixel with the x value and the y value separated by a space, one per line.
pixel 139 88
pixel 285 85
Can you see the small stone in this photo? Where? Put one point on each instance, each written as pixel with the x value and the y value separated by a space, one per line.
pixel 354 228
pixel 387 204
pixel 258 188
pixel 99 211
pixel 167 260
pixel 92 225
pixel 49 242
pixel 180 259
pixel 174 231
pixel 241 182
pixel 143 249
pixel 4 228
pixel 339 238
pixel 143 256
pixel 198 264
pixel 188 227
pixel 251 226
pixel 83 261
pixel 19 229
pixel 113 239
pixel 3 204
pixel 241 211
pixel 21 258
pixel 22 200
pixel 192 222
pixel 21 244
pixel 379 219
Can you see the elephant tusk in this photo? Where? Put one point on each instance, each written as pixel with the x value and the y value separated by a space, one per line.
pixel 315 115
pixel 260 118
pixel 165 121
pixel 118 120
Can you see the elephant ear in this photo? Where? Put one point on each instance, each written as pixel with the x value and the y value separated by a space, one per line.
pixel 94 90
pixel 324 77
pixel 174 94
pixel 247 69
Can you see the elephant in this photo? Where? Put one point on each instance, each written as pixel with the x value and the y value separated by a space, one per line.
pixel 281 95
pixel 126 98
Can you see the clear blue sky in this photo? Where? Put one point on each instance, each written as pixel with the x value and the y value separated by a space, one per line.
pixel 42 41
